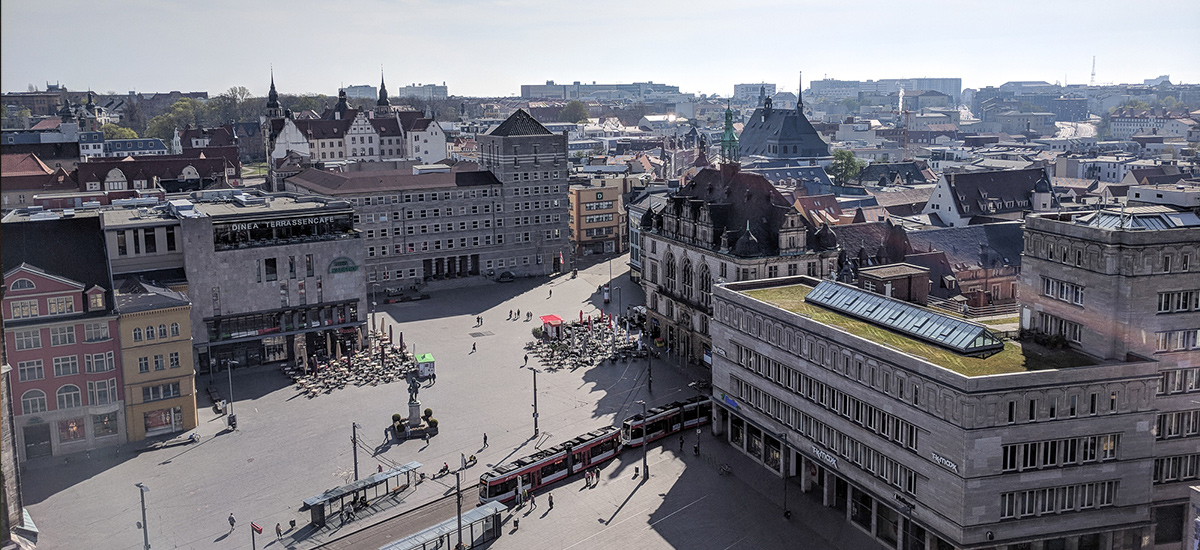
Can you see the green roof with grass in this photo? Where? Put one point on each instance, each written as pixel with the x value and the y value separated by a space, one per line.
pixel 1015 357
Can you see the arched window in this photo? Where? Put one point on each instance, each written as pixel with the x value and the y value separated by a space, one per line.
pixel 68 397
pixel 33 401
pixel 687 277
pixel 705 285
pixel 670 272
pixel 150 332
pixel 137 334
pixel 174 329
pixel 21 284
pixel 162 331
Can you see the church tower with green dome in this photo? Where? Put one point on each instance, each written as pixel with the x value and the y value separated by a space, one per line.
pixel 729 140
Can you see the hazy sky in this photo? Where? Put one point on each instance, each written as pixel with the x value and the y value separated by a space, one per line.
pixel 490 48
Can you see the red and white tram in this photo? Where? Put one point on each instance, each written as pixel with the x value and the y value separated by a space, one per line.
pixel 666 419
pixel 549 465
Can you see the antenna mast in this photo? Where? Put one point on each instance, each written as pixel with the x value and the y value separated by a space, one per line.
pixel 1093 81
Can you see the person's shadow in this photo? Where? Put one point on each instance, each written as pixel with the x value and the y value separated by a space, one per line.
pixel 223 537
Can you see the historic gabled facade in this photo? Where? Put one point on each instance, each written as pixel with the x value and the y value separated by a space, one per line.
pixel 781 134
pixel 61 339
pixel 724 225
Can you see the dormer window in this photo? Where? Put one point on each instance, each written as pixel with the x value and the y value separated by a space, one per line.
pixel 96 301
pixel 21 284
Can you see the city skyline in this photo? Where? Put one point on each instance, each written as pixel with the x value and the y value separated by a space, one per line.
pixel 475 51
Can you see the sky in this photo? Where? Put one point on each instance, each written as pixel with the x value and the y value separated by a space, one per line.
pixel 482 48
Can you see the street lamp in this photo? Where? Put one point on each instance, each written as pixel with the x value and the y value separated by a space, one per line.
pixel 229 364
pixel 145 528
pixel 371 330
pixel 535 411
pixel 645 442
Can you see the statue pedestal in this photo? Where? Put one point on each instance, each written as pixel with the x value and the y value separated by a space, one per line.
pixel 414 413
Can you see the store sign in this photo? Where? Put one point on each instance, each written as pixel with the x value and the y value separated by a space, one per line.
pixel 828 458
pixel 342 265
pixel 944 462
pixel 290 222
pixel 729 401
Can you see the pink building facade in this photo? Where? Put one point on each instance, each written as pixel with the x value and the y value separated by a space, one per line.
pixel 63 345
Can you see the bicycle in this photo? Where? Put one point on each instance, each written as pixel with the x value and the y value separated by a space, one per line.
pixel 724 469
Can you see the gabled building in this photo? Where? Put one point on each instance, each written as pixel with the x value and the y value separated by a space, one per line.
pixel 156 350
pixel 60 331
pixel 1005 194
pixel 724 225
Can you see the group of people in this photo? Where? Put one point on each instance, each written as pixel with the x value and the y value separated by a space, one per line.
pixel 367 367
pixel 583 345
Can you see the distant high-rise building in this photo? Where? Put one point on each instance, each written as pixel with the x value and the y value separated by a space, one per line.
pixel 361 91
pixel 636 91
pixel 751 92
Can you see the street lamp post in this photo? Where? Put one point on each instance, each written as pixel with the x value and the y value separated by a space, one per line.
pixel 535 411
pixel 645 443
pixel 354 446
pixel 371 330
pixel 145 529
pixel 458 500
pixel 229 364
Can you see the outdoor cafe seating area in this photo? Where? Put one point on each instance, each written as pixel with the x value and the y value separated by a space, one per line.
pixel 583 344
pixel 378 363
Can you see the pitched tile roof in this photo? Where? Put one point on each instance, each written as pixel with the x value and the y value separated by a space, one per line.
pixel 786 128
pixel 743 205
pixel 973 246
pixel 22 164
pixel 994 191
pixel 67 247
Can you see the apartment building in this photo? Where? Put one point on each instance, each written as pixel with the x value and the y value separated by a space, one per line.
pixel 598 219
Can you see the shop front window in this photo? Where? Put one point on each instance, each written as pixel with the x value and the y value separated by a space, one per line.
pixel 104 424
pixel 70 430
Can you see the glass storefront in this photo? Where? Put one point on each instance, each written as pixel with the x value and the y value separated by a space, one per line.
pixel 104 424
pixel 163 421
pixel 71 430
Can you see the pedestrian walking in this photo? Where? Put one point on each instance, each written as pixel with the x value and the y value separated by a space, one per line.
pixel 550 499
pixel 472 347
pixel 485 440
pixel 278 532
pixel 587 478
pixel 551 294
pixel 526 360
pixel 464 460
pixel 510 314
pixel 681 444
pixel 232 522
pixel 533 502
pixel 381 468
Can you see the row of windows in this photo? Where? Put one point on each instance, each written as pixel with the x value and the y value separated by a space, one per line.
pixel 149 334
pixel 160 392
pixel 1182 300
pixel 1057 326
pixel 864 455
pixel 1177 340
pixel 1035 412
pixel 1059 452
pixel 159 363
pixel 1171 469
pixel 601 205
pixel 598 231
pixel 66 365
pixel 1062 290
pixel 597 218
pixel 270 267
pixel 1177 424
pixel 147 236
pixel 891 427
pixel 1179 381
pixel 100 392
pixel 1057 500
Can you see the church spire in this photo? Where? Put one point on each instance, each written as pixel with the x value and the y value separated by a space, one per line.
pixel 273 110
pixel 729 139
pixel 383 106
pixel 800 94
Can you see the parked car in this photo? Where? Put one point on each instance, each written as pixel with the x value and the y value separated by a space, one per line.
pixel 506 277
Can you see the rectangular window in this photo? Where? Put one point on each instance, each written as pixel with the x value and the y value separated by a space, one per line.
pixel 24 309
pixel 143 364
pixel 272 269
pixel 159 364
pixel 62 336
pixel 28 339
pixel 308 265
pixel 30 370
pixel 151 242
pixel 170 239
pixel 66 366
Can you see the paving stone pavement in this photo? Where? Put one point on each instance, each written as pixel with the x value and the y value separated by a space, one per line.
pixel 288 447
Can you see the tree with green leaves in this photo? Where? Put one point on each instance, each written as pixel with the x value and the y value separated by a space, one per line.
pixel 112 131
pixel 575 111
pixel 182 113
pixel 845 166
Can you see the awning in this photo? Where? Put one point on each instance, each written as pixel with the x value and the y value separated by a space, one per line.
pixel 425 358
pixel 552 320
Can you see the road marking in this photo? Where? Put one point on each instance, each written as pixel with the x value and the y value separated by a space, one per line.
pixel 606 527
pixel 735 542
pixel 677 511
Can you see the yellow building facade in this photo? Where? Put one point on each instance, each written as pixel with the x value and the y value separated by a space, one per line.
pixel 156 352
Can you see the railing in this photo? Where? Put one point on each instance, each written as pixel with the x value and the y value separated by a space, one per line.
pixel 956 308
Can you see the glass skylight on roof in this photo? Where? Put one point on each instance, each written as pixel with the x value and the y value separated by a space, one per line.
pixel 955 334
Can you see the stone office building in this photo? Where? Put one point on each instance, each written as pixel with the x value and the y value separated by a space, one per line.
pixel 929 432
pixel 271 277
pixel 1122 282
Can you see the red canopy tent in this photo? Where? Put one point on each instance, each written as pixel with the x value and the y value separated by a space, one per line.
pixel 552 325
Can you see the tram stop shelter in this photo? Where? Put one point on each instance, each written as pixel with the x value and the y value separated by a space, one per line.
pixel 425 365
pixel 479 526
pixel 552 326
pixel 335 498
